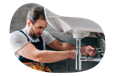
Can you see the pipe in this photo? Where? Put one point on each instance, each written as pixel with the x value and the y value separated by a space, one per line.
pixel 78 61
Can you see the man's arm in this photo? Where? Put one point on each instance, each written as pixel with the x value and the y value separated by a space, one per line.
pixel 66 46
pixel 46 56
pixel 56 44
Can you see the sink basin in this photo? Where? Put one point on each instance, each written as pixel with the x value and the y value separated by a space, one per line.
pixel 79 27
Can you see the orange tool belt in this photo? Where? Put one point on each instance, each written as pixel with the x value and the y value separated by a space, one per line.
pixel 36 67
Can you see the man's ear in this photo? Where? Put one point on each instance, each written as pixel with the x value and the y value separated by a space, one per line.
pixel 28 23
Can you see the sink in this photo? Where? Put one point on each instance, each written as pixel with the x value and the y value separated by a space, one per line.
pixel 79 27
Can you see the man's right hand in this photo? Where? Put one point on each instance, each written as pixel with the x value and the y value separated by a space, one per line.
pixel 85 49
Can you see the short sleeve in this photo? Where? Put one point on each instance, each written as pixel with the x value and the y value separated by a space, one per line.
pixel 17 40
pixel 48 37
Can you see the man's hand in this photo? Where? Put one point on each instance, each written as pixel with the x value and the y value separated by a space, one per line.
pixel 83 51
pixel 88 48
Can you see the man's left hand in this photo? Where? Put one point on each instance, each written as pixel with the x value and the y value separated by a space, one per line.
pixel 88 48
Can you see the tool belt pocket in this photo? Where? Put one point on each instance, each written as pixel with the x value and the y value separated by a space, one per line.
pixel 36 66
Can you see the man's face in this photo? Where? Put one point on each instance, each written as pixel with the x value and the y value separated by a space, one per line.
pixel 37 28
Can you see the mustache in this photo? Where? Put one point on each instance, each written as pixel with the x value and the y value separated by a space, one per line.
pixel 34 35
pixel 38 34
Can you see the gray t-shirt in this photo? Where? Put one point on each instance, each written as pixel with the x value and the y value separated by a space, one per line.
pixel 18 40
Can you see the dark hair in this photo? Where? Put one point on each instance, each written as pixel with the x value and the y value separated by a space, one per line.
pixel 35 13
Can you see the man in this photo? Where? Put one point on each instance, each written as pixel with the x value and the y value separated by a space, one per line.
pixel 29 43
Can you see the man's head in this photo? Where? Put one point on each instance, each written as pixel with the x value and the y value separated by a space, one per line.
pixel 36 21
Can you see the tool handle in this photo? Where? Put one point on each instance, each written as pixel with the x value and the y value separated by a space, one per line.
pixel 90 51
pixel 94 50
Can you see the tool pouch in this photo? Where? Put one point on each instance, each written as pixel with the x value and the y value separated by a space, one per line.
pixel 36 67
pixel 47 69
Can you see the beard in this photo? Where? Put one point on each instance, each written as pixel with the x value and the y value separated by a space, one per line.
pixel 33 35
